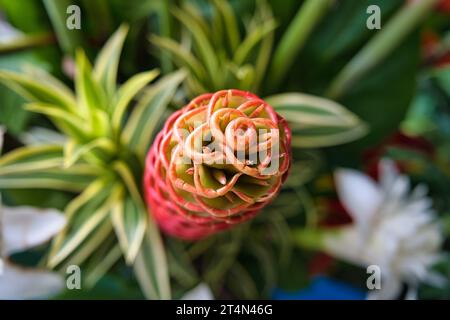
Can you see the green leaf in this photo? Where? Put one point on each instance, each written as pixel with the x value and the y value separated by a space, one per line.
pixel 243 51
pixel 129 220
pixel 68 123
pixel 89 92
pixel 231 25
pixel 381 45
pixel 102 265
pixel 181 56
pixel 150 265
pixel 180 264
pixel 39 90
pixel 107 63
pixel 295 37
pixel 101 146
pixel 89 246
pixel 129 180
pixel 21 159
pixel 127 92
pixel 41 167
pixel 204 46
pixel 317 122
pixel 145 117
pixel 84 214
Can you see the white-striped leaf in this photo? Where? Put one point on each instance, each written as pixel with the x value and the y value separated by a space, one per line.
pixel 315 121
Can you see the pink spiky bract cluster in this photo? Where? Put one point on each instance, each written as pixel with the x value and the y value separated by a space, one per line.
pixel 214 189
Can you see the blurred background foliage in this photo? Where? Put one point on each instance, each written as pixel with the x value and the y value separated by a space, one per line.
pixel 404 99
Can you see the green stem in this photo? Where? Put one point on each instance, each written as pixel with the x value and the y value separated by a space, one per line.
pixel 295 37
pixel 165 30
pixel 381 45
pixel 27 42
pixel 68 39
pixel 309 238
pixel 98 11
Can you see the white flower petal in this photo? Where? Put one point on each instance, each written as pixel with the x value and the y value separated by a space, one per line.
pixel 200 292
pixel 393 228
pixel 18 283
pixel 26 227
pixel 358 193
pixel 346 244
pixel 388 173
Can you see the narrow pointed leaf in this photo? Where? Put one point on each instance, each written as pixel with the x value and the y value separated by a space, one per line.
pixel 73 152
pixel 103 265
pixel 67 122
pixel 317 122
pixel 107 63
pixel 181 56
pixel 40 167
pixel 84 221
pixel 252 39
pixel 150 265
pixel 38 91
pixel 129 220
pixel 145 117
pixel 90 94
pixel 229 18
pixel 205 49
pixel 127 92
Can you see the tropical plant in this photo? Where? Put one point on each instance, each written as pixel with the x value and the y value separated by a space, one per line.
pixel 101 160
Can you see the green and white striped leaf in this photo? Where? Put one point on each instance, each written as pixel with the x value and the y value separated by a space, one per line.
pixel 90 245
pixel 42 136
pixel 107 63
pixel 101 149
pixel 127 92
pixel 39 90
pixel 317 122
pixel 41 167
pixel 150 265
pixel 84 214
pixel 129 219
pixel 67 122
pixel 101 265
pixel 145 117
pixel 90 94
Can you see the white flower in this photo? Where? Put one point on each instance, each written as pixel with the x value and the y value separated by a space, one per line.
pixel 200 292
pixel 393 228
pixel 22 228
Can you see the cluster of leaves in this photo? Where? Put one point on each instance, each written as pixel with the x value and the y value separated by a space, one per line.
pixel 215 53
pixel 102 157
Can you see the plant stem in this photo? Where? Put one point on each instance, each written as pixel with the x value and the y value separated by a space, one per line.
pixel 27 42
pixel 99 11
pixel 381 45
pixel 165 31
pixel 295 37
